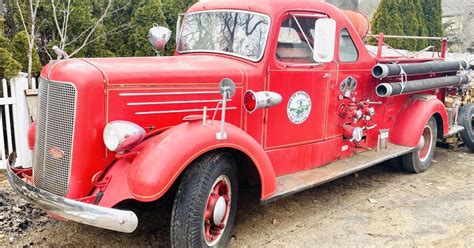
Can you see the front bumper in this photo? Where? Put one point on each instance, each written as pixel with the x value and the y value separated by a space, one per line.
pixel 102 217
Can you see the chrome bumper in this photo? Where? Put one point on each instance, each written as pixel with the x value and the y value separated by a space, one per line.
pixel 102 217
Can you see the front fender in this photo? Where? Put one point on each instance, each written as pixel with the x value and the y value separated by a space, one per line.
pixel 165 156
pixel 413 117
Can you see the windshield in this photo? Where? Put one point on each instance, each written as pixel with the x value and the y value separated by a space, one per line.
pixel 242 34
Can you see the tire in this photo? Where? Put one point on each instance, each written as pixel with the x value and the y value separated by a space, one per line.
pixel 394 164
pixel 420 160
pixel 196 208
pixel 466 119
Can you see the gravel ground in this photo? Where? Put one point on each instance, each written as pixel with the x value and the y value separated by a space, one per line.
pixel 380 206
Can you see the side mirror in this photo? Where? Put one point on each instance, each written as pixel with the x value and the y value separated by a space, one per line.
pixel 324 40
pixel 159 36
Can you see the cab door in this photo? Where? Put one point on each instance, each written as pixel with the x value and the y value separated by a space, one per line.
pixel 350 65
pixel 295 125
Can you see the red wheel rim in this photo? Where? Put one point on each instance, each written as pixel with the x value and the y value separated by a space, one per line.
pixel 427 139
pixel 216 213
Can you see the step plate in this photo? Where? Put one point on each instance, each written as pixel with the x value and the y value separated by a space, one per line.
pixel 454 130
pixel 296 182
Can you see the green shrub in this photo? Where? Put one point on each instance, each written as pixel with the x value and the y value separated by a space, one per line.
pixel 9 67
pixel 20 53
pixel 387 20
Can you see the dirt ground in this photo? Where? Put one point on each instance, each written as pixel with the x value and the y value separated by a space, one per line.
pixel 380 206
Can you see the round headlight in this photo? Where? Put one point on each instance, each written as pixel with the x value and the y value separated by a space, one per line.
pixel 120 136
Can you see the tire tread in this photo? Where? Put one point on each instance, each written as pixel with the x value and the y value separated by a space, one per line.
pixel 465 120
pixel 195 179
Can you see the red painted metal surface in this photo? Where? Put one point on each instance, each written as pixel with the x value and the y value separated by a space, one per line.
pixel 360 21
pixel 158 92
pixel 117 190
pixel 89 152
pixel 31 136
pixel 412 120
pixel 165 156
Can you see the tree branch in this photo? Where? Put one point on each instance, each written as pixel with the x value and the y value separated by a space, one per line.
pixel 39 26
pixel 55 18
pixel 113 31
pixel 31 33
pixel 22 19
pixel 93 29
pixel 90 27
pixel 68 12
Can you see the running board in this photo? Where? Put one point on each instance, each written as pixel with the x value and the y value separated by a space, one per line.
pixel 297 182
pixel 454 129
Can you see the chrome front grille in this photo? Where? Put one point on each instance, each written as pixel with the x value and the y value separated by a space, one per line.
pixel 54 136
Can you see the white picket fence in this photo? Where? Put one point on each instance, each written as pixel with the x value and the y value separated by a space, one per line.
pixel 14 120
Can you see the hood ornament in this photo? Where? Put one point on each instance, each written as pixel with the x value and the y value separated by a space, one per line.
pixel 60 53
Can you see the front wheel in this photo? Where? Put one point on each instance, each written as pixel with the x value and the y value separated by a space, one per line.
pixel 205 204
pixel 420 160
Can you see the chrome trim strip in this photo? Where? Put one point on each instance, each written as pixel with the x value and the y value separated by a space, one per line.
pixel 170 93
pixel 180 111
pixel 102 217
pixel 304 65
pixel 174 102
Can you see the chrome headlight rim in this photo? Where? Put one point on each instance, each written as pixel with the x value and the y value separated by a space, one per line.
pixel 120 136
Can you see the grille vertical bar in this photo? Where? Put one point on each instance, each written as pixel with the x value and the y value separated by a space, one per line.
pixel 54 130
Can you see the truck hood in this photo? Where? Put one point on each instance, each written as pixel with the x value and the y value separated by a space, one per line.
pixel 196 69
pixel 155 93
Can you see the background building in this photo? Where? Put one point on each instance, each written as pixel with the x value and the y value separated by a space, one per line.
pixel 458 25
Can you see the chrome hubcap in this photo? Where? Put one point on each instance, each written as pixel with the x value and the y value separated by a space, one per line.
pixel 219 210
pixel 425 145
pixel 421 143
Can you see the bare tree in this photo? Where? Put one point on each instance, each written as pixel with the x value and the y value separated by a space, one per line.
pixel 30 30
pixel 88 32
pixel 62 31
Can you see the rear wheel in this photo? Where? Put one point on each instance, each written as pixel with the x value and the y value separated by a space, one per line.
pixel 420 160
pixel 205 204
pixel 466 119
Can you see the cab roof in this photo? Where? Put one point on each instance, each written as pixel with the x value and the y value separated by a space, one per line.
pixel 273 8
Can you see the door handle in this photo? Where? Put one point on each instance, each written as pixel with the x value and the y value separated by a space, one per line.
pixel 326 75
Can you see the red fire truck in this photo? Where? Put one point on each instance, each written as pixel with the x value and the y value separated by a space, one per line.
pixel 281 95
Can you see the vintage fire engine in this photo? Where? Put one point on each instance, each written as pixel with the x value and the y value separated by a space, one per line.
pixel 281 95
